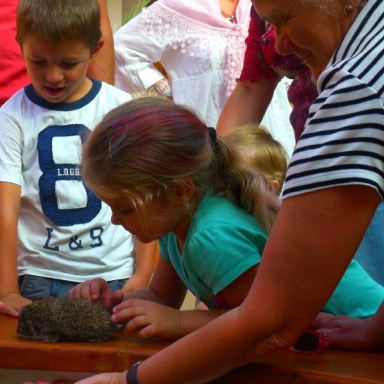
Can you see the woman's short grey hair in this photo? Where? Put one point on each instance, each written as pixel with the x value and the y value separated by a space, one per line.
pixel 325 4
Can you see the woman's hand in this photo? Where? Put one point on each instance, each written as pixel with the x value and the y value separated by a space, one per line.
pixel 98 291
pixel 12 304
pixel 151 319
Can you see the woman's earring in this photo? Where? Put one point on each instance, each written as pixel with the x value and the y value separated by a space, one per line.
pixel 349 8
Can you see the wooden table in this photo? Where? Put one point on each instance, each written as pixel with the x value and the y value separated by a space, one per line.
pixel 332 366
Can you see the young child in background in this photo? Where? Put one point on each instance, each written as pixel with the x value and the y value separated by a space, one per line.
pixel 259 150
pixel 167 176
pixel 54 231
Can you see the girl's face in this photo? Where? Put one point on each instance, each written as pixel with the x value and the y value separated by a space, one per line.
pixel 152 221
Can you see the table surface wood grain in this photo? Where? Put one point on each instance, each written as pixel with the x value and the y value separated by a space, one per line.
pixel 332 366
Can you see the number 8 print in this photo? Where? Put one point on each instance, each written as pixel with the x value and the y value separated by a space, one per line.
pixel 59 149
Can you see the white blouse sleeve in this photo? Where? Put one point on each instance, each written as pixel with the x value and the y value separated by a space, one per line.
pixel 137 46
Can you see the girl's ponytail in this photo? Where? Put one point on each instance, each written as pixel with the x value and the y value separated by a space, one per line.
pixel 241 184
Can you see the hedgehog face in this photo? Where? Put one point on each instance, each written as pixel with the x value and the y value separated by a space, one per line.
pixel 28 326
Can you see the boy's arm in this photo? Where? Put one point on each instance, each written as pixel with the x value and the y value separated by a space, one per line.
pixel 103 65
pixel 9 215
pixel 145 256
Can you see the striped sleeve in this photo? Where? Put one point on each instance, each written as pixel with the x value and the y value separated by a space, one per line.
pixel 343 142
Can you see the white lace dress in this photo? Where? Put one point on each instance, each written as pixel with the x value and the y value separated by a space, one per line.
pixel 201 51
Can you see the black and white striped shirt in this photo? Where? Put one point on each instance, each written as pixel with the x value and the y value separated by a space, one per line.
pixel 343 142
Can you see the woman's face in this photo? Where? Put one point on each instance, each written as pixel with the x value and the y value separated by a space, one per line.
pixel 311 32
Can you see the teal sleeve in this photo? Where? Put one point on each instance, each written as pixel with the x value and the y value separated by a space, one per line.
pixel 221 254
pixel 163 249
pixel 357 294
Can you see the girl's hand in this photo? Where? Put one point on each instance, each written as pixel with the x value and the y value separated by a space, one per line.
pixel 151 319
pixel 98 291
pixel 105 378
pixel 12 303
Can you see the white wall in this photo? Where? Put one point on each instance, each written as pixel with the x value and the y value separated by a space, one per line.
pixel 115 13
pixel 116 10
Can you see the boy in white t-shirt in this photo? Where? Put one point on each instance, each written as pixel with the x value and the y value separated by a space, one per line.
pixel 54 231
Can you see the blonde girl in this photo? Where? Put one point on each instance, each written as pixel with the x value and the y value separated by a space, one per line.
pixel 258 149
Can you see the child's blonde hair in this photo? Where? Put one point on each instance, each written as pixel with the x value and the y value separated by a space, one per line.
pixel 146 146
pixel 261 151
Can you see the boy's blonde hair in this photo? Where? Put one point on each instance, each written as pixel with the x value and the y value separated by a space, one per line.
pixel 261 151
pixel 147 146
pixel 57 20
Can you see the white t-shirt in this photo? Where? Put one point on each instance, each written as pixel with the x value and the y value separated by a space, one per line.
pixel 64 230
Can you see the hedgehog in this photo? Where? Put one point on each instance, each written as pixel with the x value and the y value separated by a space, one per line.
pixel 65 319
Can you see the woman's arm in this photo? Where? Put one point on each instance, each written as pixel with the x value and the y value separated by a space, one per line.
pixel 247 104
pixel 137 47
pixel 103 66
pixel 297 274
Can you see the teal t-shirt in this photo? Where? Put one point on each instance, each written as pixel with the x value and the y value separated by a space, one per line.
pixel 223 241
pixel 357 294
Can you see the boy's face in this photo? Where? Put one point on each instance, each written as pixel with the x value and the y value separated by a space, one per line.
pixel 57 72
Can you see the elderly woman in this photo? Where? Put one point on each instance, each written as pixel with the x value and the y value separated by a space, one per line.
pixel 334 184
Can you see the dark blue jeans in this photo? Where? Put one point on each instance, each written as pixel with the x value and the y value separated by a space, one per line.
pixel 35 287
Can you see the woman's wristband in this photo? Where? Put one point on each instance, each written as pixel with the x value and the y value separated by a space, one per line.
pixel 132 374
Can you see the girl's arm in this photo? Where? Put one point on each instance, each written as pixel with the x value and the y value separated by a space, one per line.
pixel 234 294
pixel 9 215
pixel 165 288
pixel 145 259
pixel 152 319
